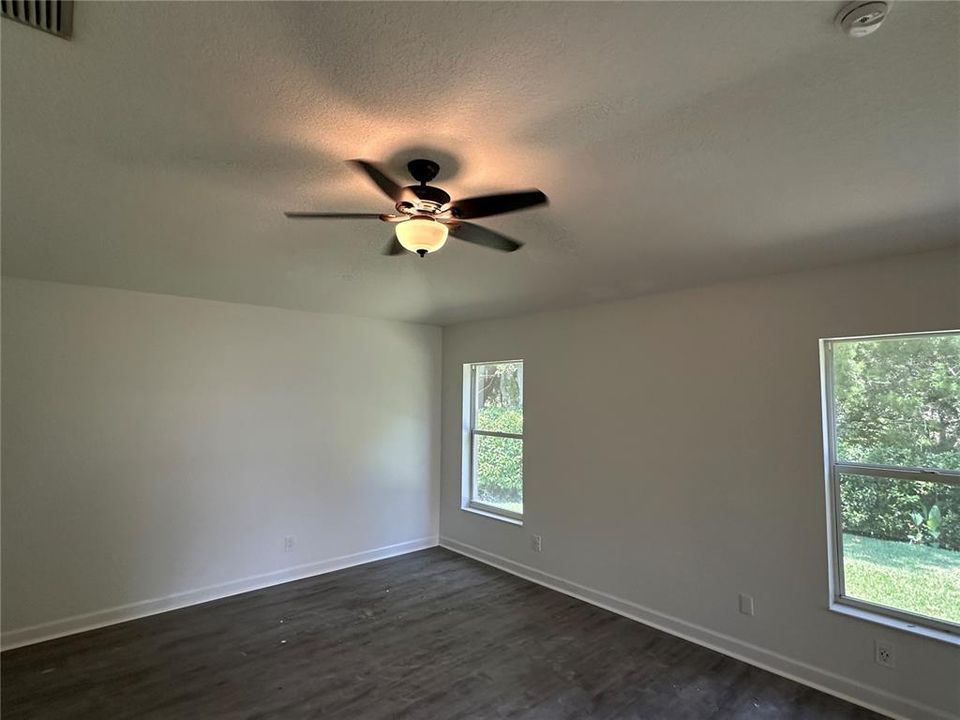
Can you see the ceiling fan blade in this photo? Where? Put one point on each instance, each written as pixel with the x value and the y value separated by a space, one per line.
pixel 486 205
pixel 468 232
pixel 394 247
pixel 388 186
pixel 340 216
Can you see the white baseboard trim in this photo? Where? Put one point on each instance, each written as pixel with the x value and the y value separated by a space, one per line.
pixel 872 698
pixel 122 613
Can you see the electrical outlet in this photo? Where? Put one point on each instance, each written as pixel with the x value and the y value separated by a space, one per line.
pixel 884 654
pixel 288 543
pixel 535 543
pixel 746 604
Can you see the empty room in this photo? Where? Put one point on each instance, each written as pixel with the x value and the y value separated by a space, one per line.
pixel 467 360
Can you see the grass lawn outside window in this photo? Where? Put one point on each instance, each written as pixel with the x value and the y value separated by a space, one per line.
pixel 916 578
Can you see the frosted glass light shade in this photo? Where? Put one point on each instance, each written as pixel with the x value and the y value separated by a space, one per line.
pixel 422 235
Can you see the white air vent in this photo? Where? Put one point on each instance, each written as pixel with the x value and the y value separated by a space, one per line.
pixel 52 16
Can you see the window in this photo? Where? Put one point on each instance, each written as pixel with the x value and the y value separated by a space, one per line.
pixel 493 438
pixel 892 409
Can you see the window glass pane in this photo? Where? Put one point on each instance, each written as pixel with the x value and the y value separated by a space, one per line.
pixel 901 544
pixel 498 472
pixel 499 397
pixel 898 401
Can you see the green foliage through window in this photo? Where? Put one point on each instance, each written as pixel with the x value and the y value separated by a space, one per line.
pixel 897 403
pixel 498 461
pixel 499 470
pixel 906 510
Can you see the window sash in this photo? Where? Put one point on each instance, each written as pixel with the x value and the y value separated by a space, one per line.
pixel 495 433
pixel 472 433
pixel 836 468
pixel 494 510
pixel 839 594
pixel 943 477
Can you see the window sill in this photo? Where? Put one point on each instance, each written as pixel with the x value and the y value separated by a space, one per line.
pixel 491 515
pixel 895 623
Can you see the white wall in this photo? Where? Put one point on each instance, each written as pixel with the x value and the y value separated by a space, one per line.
pixel 673 458
pixel 156 445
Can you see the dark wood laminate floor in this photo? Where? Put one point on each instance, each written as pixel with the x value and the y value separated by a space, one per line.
pixel 429 635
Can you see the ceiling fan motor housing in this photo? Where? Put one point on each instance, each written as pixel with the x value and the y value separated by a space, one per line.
pixel 431 197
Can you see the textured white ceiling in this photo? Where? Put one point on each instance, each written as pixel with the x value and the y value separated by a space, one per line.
pixel 680 144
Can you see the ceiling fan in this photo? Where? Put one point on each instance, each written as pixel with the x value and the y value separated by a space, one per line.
pixel 425 214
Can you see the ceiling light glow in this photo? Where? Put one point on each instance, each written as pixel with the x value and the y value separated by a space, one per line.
pixel 422 235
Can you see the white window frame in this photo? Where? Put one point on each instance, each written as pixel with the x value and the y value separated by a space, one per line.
pixel 839 601
pixel 470 431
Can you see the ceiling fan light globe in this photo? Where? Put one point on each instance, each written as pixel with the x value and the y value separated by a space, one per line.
pixel 422 235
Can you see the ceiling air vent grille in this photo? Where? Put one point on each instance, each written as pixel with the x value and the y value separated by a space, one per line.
pixel 52 16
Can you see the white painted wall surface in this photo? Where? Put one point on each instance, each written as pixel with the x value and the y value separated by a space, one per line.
pixel 156 445
pixel 673 459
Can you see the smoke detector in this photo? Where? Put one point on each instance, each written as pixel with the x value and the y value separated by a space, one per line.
pixel 859 18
